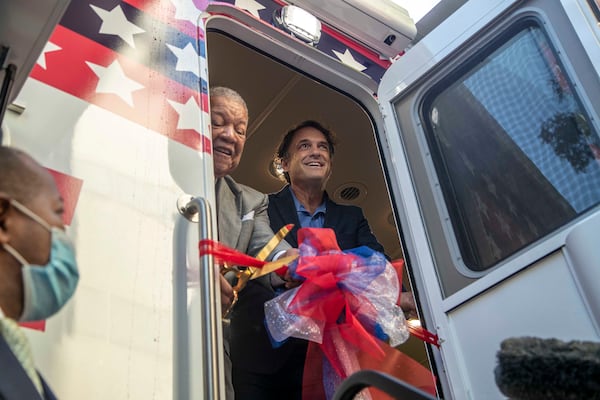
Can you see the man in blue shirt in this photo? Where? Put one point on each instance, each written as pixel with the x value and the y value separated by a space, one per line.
pixel 259 370
pixel 306 154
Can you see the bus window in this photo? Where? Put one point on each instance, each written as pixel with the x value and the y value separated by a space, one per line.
pixel 513 147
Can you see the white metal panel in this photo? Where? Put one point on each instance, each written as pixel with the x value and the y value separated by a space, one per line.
pixel 583 254
pixel 541 301
pixel 584 23
pixel 439 43
pixel 114 338
pixel 413 65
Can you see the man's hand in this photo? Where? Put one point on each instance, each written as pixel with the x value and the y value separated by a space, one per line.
pixel 290 282
pixel 226 293
pixel 407 304
pixel 291 252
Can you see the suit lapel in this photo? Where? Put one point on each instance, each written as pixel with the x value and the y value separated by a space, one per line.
pixel 332 214
pixel 229 214
pixel 48 394
pixel 14 382
pixel 287 211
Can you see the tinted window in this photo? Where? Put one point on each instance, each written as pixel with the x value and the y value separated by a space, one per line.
pixel 513 147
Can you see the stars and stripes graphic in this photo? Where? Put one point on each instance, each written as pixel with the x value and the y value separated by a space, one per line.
pixel 332 42
pixel 117 56
pixel 145 60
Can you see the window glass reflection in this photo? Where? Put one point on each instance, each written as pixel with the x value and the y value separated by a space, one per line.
pixel 514 149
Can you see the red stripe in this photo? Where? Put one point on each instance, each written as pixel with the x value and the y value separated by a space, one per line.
pixel 35 325
pixel 67 71
pixel 69 188
pixel 351 44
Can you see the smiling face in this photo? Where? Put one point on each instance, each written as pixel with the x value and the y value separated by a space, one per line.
pixel 308 159
pixel 229 120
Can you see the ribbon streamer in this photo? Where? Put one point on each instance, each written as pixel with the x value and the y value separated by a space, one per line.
pixel 346 306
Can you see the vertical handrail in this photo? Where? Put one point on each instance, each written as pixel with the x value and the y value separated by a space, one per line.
pixel 186 374
pixel 181 360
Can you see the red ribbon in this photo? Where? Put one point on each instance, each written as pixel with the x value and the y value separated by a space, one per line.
pixel 224 254
pixel 322 298
pixel 424 335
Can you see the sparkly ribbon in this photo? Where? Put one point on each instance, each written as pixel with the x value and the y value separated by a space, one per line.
pixel 346 306
pixel 346 301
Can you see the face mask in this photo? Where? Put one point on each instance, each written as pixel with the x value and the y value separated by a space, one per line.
pixel 47 287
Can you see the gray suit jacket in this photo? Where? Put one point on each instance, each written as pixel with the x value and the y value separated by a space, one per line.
pixel 242 217
pixel 243 225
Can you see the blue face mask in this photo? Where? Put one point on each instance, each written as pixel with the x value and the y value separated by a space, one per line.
pixel 47 287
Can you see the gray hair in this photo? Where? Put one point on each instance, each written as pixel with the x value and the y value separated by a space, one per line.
pixel 222 91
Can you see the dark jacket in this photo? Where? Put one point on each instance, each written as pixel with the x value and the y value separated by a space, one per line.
pixel 251 347
pixel 15 384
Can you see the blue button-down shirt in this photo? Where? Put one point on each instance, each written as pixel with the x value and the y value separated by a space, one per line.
pixel 316 220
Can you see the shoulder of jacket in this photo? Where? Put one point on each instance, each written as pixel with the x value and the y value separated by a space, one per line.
pixel 280 194
pixel 347 209
pixel 241 188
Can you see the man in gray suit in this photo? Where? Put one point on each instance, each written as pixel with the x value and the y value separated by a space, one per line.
pixel 242 217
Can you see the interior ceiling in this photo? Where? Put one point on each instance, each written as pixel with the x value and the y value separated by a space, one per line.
pixel 278 98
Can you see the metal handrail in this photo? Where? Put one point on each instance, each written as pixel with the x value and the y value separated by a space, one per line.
pixel 186 357
pixel 389 384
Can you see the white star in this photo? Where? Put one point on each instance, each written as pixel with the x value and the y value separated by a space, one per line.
pixel 114 22
pixel 189 114
pixel 48 48
pixel 187 59
pixel 112 80
pixel 250 5
pixel 186 10
pixel 347 59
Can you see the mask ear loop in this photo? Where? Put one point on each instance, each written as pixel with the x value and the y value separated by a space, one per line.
pixel 11 250
pixel 30 214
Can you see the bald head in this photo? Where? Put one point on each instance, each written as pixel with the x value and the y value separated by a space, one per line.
pixel 20 176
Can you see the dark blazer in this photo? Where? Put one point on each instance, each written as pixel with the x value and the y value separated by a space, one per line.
pixel 14 381
pixel 251 349
pixel 349 223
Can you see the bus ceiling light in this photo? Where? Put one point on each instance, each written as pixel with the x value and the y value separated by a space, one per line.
pixel 299 23
pixel 380 25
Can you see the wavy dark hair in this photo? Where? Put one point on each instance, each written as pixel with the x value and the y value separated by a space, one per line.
pixel 284 146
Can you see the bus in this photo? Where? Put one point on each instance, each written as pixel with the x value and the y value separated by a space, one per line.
pixel 469 138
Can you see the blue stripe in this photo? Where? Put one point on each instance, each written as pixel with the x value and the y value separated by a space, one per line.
pixel 150 50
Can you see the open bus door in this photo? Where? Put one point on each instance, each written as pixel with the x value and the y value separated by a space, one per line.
pixel 492 133
pixel 285 81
